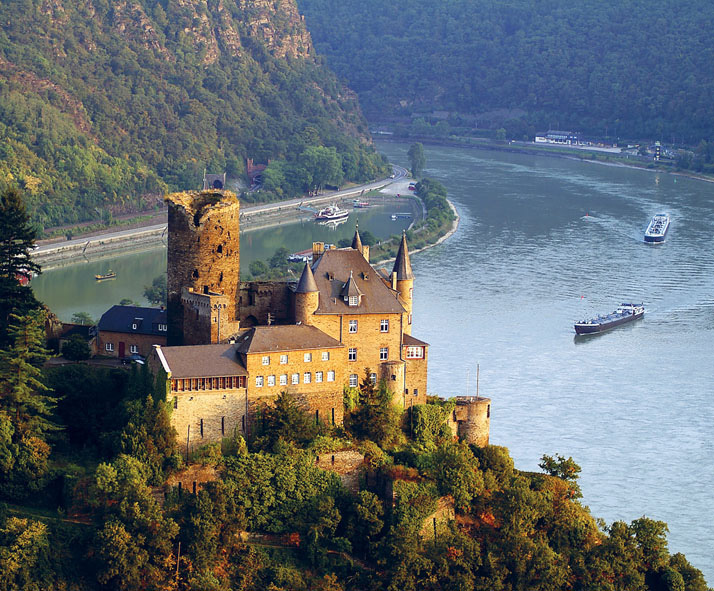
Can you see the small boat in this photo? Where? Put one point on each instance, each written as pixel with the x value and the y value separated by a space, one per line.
pixel 402 216
pixel 625 313
pixel 304 256
pixel 657 230
pixel 108 275
pixel 359 204
pixel 331 213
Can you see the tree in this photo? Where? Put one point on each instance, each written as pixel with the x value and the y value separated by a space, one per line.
pixel 22 397
pixel 417 159
pixel 286 419
pixel 76 349
pixel 258 268
pixel 375 417
pixel 83 318
pixel 559 467
pixel 17 238
pixel 23 544
pixel 280 259
pixel 156 293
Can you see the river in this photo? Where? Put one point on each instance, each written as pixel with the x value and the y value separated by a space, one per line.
pixel 544 242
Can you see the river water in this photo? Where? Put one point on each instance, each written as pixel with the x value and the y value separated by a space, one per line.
pixel 544 242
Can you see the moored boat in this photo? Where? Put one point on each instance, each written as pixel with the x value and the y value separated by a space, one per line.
pixel 625 313
pixel 331 213
pixel 657 229
pixel 108 275
pixel 356 203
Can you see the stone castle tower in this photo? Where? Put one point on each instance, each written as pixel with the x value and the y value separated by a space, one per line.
pixel 203 266
pixel 307 297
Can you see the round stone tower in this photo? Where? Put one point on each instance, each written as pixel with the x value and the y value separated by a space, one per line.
pixel 403 281
pixel 473 415
pixel 307 297
pixel 203 263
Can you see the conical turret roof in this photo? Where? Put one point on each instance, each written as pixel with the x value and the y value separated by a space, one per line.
pixel 402 265
pixel 307 281
pixel 357 241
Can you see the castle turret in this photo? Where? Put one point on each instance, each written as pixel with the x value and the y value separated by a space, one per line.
pixel 357 244
pixel 307 297
pixel 203 266
pixel 403 281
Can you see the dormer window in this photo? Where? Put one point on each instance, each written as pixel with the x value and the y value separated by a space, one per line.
pixel 354 300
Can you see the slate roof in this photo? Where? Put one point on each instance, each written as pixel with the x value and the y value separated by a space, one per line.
pixel 307 281
pixel 198 361
pixel 357 240
pixel 332 273
pixel 284 337
pixel 402 264
pixel 123 319
pixel 410 341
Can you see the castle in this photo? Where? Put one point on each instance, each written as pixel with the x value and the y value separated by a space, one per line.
pixel 233 345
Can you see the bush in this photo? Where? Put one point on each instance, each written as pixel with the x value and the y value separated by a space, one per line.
pixel 76 349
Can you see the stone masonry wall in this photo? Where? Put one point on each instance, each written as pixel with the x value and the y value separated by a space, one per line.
pixel 203 251
pixel 257 298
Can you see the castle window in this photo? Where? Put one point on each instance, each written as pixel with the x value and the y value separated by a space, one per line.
pixel 223 425
pixel 201 427
pixel 352 354
pixel 353 326
pixel 109 346
pixel 384 325
pixel 333 416
pixel 416 391
pixel 373 378
pixel 307 357
pixel 200 385
pixel 318 376
pixel 307 377
pixel 174 385
pixel 296 378
pixel 266 359
pixel 354 301
pixel 383 353
pixel 162 328
pixel 411 293
pixel 284 379
pixel 133 326
pixel 488 411
pixel 271 380
pixel 410 318
pixel 354 380
pixel 415 352
pixel 259 381
pixel 331 376
pixel 325 355
pixel 175 401
pixel 283 359
pixel 222 383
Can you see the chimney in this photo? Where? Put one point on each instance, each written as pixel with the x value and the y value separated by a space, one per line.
pixel 394 280
pixel 317 249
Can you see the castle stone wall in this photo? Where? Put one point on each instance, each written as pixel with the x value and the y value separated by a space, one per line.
pixel 258 298
pixel 203 252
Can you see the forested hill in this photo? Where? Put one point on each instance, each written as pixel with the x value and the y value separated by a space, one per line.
pixel 103 102
pixel 627 68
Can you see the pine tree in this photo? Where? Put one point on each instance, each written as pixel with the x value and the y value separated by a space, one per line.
pixel 22 397
pixel 17 237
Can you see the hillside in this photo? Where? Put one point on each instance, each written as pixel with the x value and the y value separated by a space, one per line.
pixel 630 69
pixel 103 104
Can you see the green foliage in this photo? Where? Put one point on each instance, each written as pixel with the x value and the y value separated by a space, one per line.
pixel 156 292
pixel 417 159
pixel 94 122
pixel 22 391
pixel 23 546
pixel 523 66
pixel 375 417
pixel 17 238
pixel 24 462
pixel 76 349
pixel 83 318
pixel 428 423
pixel 563 468
pixel 285 420
pixel 277 491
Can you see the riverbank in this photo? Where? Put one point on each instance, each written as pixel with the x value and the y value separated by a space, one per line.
pixel 583 154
